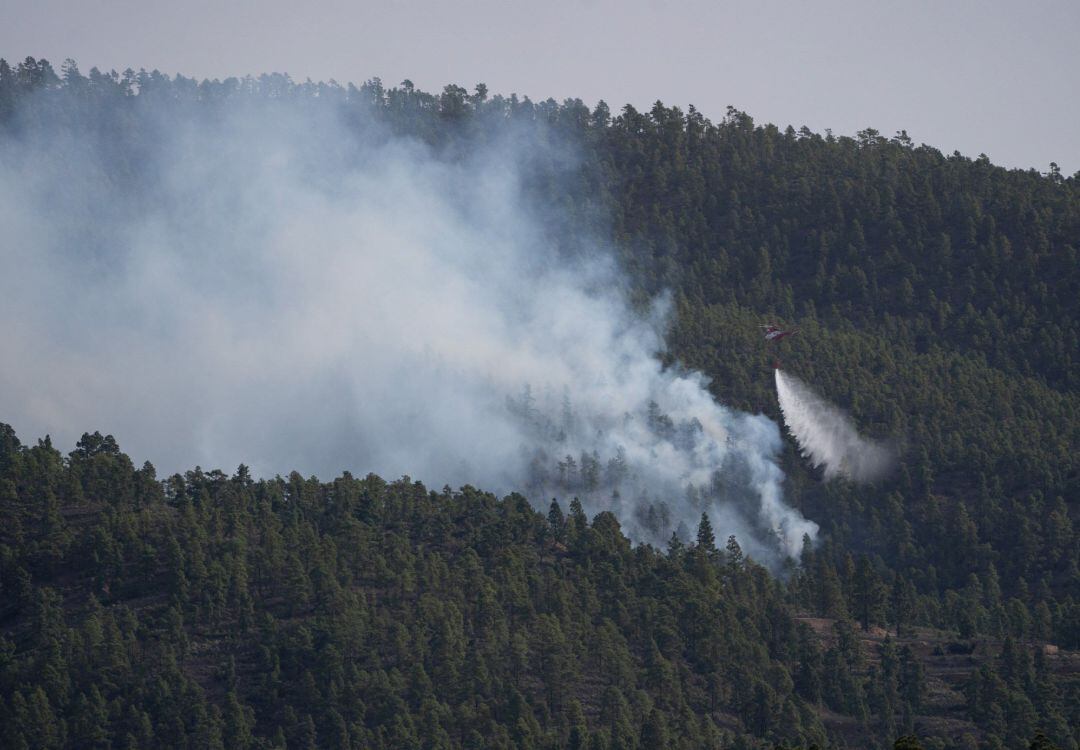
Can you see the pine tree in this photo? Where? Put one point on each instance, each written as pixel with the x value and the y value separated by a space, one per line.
pixel 706 540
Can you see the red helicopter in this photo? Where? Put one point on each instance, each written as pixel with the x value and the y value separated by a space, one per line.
pixel 776 333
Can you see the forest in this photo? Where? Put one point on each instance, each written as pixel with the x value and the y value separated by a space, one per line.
pixel 935 297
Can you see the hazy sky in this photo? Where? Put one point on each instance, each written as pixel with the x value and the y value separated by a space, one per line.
pixel 1001 78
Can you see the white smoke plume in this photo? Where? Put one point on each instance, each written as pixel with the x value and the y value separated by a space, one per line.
pixel 826 436
pixel 284 289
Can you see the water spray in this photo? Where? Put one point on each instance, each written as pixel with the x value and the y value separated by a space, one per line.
pixel 826 436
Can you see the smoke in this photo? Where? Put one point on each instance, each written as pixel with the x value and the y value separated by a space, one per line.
pixel 275 284
pixel 826 436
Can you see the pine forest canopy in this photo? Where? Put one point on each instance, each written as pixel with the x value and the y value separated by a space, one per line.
pixel 935 299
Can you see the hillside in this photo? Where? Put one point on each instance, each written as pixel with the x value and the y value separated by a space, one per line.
pixel 209 610
pixel 935 301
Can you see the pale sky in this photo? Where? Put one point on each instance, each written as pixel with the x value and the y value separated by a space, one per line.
pixel 994 77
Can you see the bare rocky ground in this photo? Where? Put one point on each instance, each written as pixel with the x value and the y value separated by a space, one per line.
pixel 948 662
